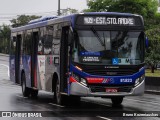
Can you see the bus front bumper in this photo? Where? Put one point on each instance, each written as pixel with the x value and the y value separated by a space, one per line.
pixel 80 90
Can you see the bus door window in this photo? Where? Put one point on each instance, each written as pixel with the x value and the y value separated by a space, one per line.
pixel 27 43
pixel 48 35
pixel 56 40
pixel 74 53
pixel 41 43
pixel 70 44
pixel 12 56
pixel 13 45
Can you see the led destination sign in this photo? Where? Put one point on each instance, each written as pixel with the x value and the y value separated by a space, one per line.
pixel 108 21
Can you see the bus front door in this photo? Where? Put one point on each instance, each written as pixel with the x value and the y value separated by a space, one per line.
pixel 34 49
pixel 64 59
pixel 17 59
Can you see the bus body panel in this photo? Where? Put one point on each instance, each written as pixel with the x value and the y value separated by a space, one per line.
pixel 45 70
pixel 26 62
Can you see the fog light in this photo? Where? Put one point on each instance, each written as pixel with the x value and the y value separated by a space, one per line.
pixel 139 80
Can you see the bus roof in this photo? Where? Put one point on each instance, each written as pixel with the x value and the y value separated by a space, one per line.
pixel 71 18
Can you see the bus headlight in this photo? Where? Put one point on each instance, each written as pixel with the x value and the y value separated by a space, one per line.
pixel 79 79
pixel 139 80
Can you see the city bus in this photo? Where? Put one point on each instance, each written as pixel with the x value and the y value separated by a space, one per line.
pixel 94 54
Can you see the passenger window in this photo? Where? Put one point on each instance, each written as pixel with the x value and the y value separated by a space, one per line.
pixel 41 42
pixel 56 39
pixel 48 38
pixel 27 43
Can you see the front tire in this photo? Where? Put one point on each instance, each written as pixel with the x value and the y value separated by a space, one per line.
pixel 64 99
pixel 25 90
pixel 117 101
pixel 59 98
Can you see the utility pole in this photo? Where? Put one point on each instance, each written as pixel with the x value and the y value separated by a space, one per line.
pixel 59 13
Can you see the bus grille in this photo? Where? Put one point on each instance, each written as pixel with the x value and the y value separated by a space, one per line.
pixel 102 71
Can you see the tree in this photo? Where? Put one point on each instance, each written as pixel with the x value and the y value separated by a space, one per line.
pixel 153 22
pixel 4 37
pixel 146 8
pixel 152 54
pixel 68 11
pixel 23 20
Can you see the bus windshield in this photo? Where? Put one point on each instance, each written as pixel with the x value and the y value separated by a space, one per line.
pixel 109 47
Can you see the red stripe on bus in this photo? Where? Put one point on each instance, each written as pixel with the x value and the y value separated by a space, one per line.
pixel 95 80
pixel 71 79
pixel 35 77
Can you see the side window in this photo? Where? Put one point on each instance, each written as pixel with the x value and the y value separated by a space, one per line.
pixel 27 43
pixel 56 39
pixel 48 38
pixel 13 45
pixel 41 42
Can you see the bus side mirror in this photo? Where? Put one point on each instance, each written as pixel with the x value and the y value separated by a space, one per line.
pixel 147 42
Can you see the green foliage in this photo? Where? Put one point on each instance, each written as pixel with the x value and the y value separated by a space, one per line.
pixel 146 8
pixel 23 20
pixel 153 53
pixel 68 11
pixel 4 38
pixel 152 22
pixel 154 33
pixel 98 5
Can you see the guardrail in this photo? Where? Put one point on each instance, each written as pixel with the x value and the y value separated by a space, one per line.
pixel 152 85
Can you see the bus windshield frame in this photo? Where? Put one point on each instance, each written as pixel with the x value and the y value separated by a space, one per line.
pixel 103 47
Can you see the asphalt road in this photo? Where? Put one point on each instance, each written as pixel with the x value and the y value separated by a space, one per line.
pixel 11 99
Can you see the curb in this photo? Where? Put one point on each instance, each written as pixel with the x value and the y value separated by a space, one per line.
pixel 152 92
pixel 1 54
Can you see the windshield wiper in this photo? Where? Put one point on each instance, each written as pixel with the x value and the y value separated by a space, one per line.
pixel 97 35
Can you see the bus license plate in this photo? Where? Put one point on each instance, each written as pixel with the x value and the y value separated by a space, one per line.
pixel 111 90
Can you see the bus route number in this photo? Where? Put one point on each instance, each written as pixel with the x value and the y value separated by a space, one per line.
pixel 97 20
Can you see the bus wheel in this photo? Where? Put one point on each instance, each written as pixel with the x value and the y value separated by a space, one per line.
pixel 59 98
pixel 116 101
pixel 34 93
pixel 25 90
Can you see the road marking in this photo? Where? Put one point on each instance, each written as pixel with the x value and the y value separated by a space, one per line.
pixel 7 68
pixel 21 96
pixel 96 103
pixel 103 118
pixel 56 105
pixel 143 101
pixel 33 104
